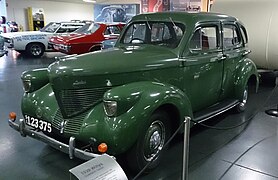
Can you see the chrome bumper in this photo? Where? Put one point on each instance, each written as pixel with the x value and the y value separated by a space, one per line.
pixel 69 149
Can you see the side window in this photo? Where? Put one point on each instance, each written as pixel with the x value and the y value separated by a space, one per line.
pixel 61 30
pixel 112 30
pixel 231 37
pixel 204 38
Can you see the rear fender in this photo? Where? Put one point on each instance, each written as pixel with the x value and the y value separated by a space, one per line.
pixel 245 73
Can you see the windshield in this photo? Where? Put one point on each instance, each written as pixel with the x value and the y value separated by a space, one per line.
pixel 51 27
pixel 88 28
pixel 166 34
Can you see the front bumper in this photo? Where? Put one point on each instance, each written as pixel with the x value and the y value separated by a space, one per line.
pixel 66 148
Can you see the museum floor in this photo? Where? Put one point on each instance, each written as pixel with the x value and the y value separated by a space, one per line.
pixel 247 152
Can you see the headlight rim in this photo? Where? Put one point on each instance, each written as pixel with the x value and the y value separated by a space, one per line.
pixel 27 88
pixel 106 110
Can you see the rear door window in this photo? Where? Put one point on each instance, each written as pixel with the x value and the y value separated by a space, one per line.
pixel 231 36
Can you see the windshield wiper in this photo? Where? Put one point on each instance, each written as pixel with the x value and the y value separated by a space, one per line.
pixel 149 26
pixel 175 26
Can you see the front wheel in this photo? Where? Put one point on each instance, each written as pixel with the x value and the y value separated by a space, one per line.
pixel 242 105
pixel 148 148
pixel 35 50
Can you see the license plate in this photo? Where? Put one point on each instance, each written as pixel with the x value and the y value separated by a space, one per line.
pixel 56 47
pixel 38 123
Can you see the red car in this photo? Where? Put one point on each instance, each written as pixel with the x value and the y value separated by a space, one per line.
pixel 86 39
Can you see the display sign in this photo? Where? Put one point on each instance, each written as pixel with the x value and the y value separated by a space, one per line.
pixel 186 5
pixel 101 168
pixel 155 5
pixel 115 13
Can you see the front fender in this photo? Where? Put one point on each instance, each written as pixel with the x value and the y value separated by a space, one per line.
pixel 140 100
pixel 246 70
pixel 37 77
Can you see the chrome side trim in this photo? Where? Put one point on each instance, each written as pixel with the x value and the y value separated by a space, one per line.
pixel 220 112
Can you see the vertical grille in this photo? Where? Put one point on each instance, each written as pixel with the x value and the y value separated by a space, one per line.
pixel 75 101
pixel 72 125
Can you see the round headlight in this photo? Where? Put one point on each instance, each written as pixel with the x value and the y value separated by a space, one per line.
pixel 26 85
pixel 110 107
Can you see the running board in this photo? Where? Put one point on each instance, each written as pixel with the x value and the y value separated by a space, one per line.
pixel 215 110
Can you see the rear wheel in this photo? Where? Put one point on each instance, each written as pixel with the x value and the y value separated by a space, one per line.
pixel 35 50
pixel 148 148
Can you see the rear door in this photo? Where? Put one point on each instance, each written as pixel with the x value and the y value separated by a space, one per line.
pixel 233 50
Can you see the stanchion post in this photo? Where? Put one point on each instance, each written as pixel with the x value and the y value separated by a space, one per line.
pixel 186 148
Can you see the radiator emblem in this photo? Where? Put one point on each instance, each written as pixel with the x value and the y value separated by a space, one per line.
pixel 77 83
pixel 108 82
pixel 62 126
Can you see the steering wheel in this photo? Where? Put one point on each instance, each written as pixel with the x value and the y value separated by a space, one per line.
pixel 136 40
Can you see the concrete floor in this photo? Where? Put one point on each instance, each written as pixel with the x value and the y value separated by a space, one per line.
pixel 248 152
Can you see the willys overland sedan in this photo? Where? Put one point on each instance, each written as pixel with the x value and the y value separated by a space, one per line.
pixel 86 39
pixel 131 98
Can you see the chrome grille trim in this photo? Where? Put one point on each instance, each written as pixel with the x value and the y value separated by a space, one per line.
pixel 75 101
pixel 72 126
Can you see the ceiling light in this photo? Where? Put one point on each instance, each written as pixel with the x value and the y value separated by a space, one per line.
pixel 90 1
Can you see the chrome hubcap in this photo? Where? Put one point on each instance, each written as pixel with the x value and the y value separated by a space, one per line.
pixel 36 50
pixel 154 140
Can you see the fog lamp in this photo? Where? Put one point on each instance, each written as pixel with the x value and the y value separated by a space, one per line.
pixel 26 85
pixel 110 107
pixel 12 116
pixel 102 148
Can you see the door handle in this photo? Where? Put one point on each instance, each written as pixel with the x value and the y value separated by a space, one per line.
pixel 246 52
pixel 222 57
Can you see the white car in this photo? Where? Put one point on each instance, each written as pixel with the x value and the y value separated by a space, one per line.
pixel 35 43
pixel 3 49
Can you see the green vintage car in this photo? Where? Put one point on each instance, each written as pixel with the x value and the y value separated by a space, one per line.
pixel 130 99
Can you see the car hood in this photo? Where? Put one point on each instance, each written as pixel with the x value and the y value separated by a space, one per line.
pixel 17 34
pixel 111 63
pixel 116 60
pixel 66 38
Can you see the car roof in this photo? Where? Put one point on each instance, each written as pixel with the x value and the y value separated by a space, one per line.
pixel 111 23
pixel 183 17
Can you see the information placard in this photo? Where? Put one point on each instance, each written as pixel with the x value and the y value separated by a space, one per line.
pixel 101 168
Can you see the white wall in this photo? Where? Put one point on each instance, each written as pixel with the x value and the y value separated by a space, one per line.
pixel 3 11
pixel 54 11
